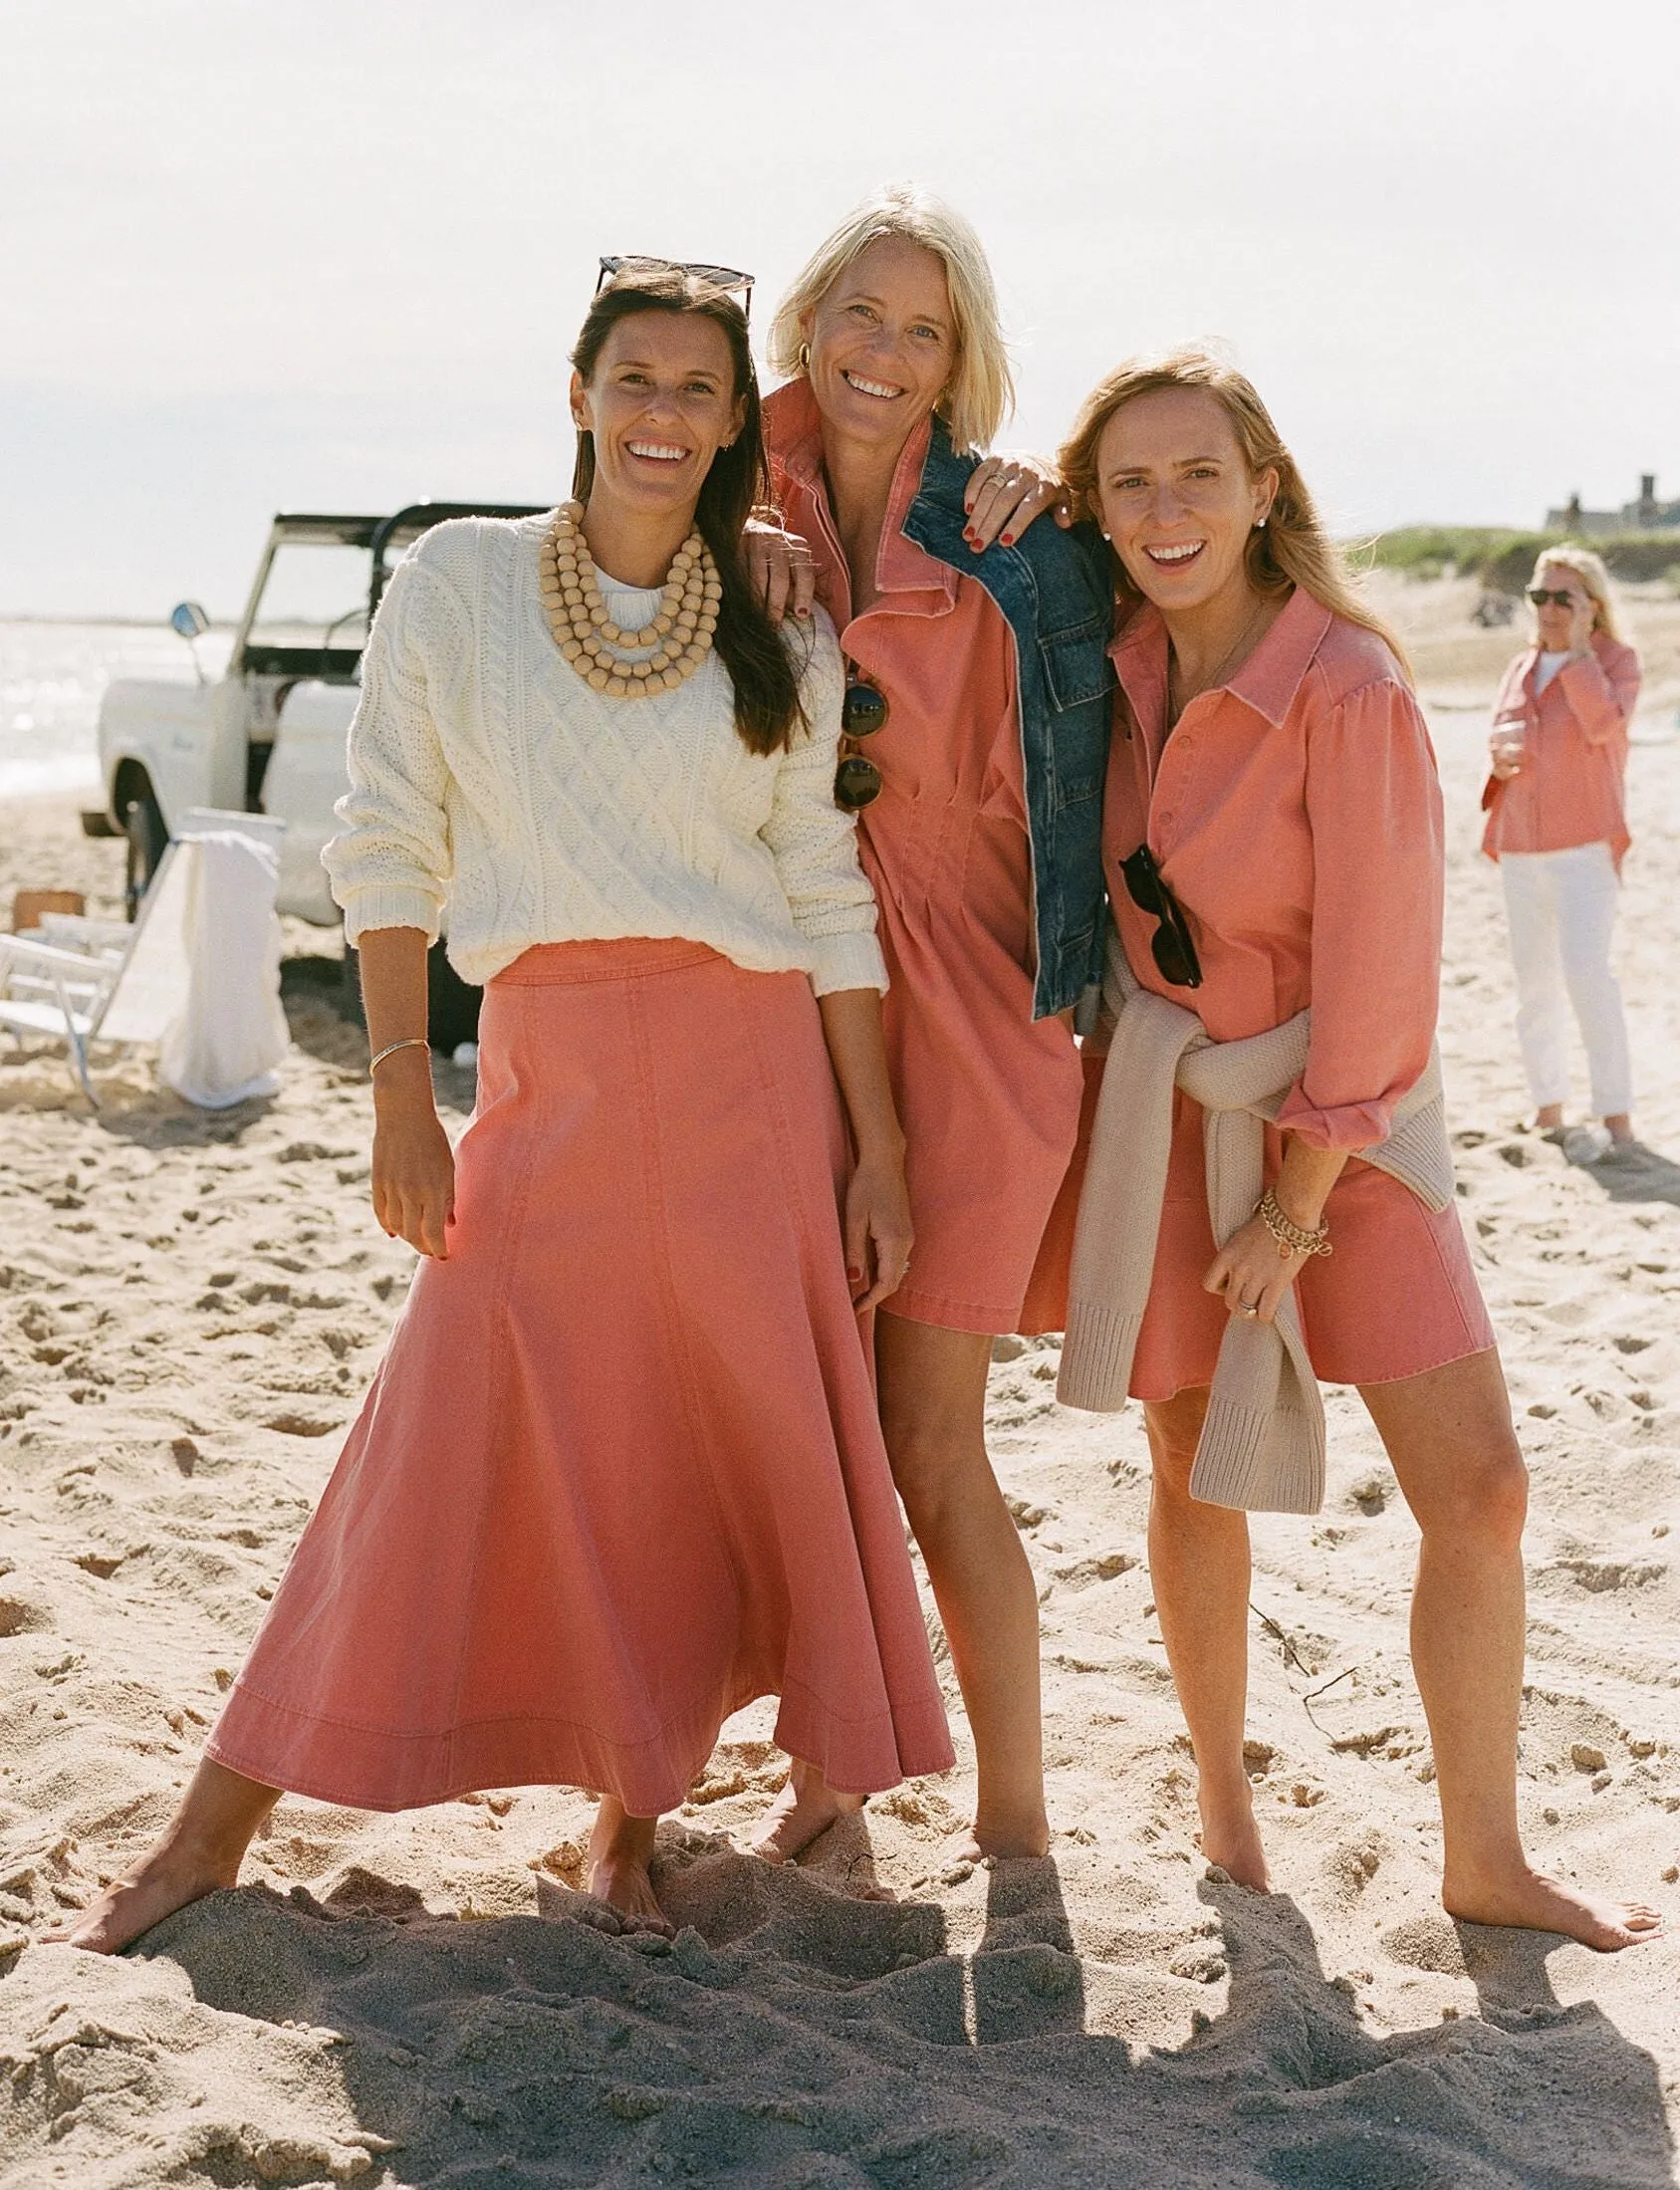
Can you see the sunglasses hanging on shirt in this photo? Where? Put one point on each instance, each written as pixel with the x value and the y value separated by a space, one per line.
pixel 1174 946
pixel 858 780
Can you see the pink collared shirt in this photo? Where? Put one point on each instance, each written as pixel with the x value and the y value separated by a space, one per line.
pixel 1570 788
pixel 1296 814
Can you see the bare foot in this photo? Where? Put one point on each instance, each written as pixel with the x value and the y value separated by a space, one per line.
pixel 1231 1842
pixel 802 1813
pixel 616 1871
pixel 1001 1840
pixel 166 1880
pixel 1531 1901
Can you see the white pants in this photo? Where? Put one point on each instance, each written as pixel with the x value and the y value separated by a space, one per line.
pixel 1561 907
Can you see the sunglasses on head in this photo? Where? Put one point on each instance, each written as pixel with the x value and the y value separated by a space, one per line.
pixel 721 277
pixel 1540 597
pixel 1171 943
pixel 858 780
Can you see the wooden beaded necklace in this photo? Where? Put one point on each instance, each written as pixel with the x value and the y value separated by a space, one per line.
pixel 679 632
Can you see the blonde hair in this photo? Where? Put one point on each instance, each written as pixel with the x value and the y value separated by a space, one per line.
pixel 1291 547
pixel 1589 568
pixel 981 391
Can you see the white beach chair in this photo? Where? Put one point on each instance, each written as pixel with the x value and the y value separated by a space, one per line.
pixel 80 995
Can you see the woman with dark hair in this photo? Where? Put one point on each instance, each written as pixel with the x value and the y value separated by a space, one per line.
pixel 620 1471
pixel 1268 1198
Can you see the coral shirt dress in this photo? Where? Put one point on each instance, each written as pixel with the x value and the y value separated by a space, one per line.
pixel 1295 816
pixel 989 1098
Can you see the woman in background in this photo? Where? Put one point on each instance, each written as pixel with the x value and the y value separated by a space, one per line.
pixel 1274 839
pixel 1556 825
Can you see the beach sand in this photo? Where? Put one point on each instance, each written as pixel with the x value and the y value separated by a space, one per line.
pixel 190 1306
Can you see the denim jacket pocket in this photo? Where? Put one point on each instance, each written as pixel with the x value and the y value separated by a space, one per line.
pixel 1076 662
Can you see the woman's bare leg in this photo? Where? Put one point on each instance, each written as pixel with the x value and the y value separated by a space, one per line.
pixel 202 1849
pixel 1456 1458
pixel 1199 1565
pixel 932 1385
pixel 617 1866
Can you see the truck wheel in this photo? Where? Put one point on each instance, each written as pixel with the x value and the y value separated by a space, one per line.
pixel 148 839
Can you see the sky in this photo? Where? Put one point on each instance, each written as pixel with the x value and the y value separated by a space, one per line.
pixel 265 254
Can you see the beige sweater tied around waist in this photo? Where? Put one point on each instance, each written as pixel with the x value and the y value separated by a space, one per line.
pixel 1263 1445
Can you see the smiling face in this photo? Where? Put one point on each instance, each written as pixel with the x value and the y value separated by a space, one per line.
pixel 883 343
pixel 1559 628
pixel 660 404
pixel 1176 498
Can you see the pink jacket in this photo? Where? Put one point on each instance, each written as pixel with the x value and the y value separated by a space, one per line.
pixel 1295 816
pixel 1569 790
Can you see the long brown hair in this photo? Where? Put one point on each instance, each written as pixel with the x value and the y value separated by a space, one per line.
pixel 761 668
pixel 1291 547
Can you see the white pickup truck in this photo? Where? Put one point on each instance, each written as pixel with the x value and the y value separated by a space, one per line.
pixel 267 736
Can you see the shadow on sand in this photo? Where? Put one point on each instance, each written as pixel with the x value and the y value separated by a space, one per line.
pixel 793 2036
pixel 1634 1172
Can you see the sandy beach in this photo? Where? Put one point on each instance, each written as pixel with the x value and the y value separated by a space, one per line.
pixel 190 1309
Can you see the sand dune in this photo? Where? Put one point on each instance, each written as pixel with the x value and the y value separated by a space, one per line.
pixel 189 1309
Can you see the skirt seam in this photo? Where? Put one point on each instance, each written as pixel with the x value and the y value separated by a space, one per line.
pixel 652 1140
pixel 496 1407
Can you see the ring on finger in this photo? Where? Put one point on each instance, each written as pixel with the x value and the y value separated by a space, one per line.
pixel 1248 1308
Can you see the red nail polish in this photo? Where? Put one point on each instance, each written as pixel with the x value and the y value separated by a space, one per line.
pixel 1008 539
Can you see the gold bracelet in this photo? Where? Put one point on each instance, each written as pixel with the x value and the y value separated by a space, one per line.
pixel 1292 1238
pixel 408 1042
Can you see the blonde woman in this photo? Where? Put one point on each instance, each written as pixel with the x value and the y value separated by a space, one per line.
pixel 1558 826
pixel 1274 843
pixel 976 721
pixel 621 1470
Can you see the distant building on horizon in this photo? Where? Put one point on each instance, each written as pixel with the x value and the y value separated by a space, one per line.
pixel 1645 515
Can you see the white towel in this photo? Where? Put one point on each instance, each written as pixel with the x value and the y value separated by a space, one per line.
pixel 225 1044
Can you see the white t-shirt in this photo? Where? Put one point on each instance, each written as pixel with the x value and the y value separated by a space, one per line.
pixel 1546 668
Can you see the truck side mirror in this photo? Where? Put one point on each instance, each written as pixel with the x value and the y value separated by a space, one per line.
pixel 189 619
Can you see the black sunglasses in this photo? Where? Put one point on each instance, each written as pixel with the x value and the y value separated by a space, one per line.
pixel 721 277
pixel 1540 597
pixel 857 782
pixel 1174 949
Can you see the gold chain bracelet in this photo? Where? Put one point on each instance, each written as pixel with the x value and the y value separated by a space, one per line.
pixel 1292 1238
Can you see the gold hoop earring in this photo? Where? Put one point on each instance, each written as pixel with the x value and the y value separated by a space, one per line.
pixel 805 357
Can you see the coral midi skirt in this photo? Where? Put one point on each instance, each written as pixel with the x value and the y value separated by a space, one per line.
pixel 620 1471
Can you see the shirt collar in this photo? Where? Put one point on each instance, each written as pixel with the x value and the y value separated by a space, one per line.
pixel 1268 681
pixel 793 429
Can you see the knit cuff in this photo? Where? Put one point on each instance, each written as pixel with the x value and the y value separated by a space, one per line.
pixel 1096 1355
pixel 850 961
pixel 1268 1459
pixel 391 905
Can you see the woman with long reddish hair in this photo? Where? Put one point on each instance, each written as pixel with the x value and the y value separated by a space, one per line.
pixel 1274 845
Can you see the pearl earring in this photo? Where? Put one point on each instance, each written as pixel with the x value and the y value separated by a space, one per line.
pixel 805 357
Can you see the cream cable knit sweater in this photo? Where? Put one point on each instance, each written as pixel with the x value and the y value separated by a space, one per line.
pixel 485 774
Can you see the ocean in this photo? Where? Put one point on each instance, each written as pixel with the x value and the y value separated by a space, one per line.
pixel 52 678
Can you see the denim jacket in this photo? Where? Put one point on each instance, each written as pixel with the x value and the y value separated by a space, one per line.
pixel 1056 594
